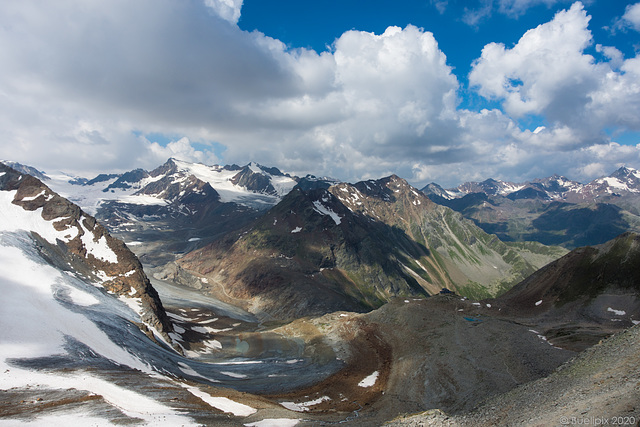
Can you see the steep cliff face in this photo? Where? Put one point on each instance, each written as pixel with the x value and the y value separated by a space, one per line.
pixel 74 241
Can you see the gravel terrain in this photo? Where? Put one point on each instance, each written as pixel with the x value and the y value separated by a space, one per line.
pixel 600 386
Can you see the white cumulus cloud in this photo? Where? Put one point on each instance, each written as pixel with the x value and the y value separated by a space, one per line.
pixel 631 16
pixel 81 84
pixel 226 9
pixel 545 72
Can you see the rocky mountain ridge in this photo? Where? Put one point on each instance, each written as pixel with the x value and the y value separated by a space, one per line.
pixel 355 247
pixel 74 241
pixel 601 283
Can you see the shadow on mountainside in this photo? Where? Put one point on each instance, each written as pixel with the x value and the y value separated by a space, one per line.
pixel 580 226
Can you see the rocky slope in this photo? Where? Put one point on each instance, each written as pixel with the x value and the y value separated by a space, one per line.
pixel 354 247
pixel 498 362
pixel 472 262
pixel 585 302
pixel 73 241
pixel 598 387
pixel 600 284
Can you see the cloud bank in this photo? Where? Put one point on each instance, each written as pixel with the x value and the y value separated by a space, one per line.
pixel 83 85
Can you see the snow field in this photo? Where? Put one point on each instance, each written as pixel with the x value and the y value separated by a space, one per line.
pixel 323 210
pixel 224 404
pixel 36 325
pixel 304 406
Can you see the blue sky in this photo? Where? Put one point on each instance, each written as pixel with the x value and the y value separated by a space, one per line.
pixel 434 90
pixel 316 25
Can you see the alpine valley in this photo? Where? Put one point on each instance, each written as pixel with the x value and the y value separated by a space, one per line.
pixel 552 211
pixel 243 295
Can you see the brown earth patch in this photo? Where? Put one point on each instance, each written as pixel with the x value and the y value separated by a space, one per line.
pixel 369 353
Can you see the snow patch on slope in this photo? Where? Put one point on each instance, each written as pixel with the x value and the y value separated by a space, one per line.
pixel 224 404
pixel 15 218
pixel 304 406
pixel 81 298
pixel 616 312
pixel 370 380
pixel 274 422
pixel 324 210
pixel 98 248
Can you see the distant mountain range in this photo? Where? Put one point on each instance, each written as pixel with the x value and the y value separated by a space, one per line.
pixel 179 205
pixel 176 184
pixel 553 211
pixel 186 205
pixel 622 183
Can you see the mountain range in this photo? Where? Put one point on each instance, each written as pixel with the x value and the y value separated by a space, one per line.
pixel 195 294
pixel 622 183
pixel 355 247
pixel 552 211
pixel 171 208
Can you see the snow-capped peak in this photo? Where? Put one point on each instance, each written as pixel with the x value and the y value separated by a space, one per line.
pixel 253 185
pixel 255 168
pixel 235 184
pixel 622 182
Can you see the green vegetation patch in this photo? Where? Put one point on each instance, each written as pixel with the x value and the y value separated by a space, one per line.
pixel 474 291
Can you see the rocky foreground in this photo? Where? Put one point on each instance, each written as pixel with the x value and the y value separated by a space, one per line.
pixel 600 386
